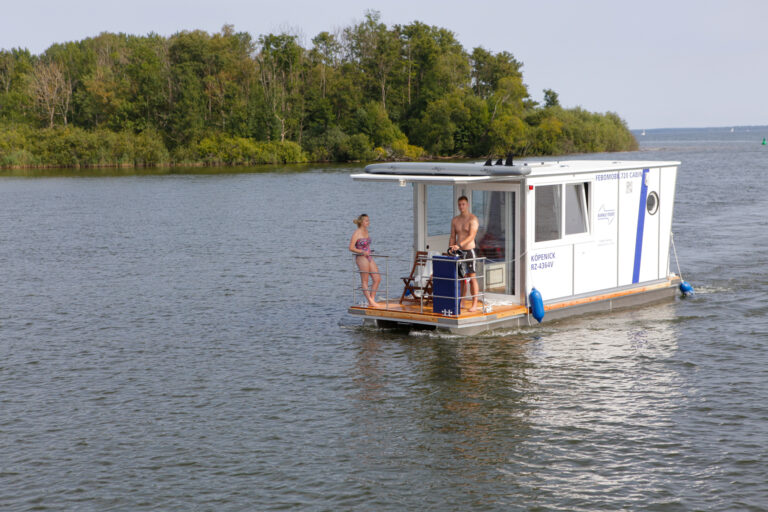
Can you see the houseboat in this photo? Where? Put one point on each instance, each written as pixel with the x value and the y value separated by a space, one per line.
pixel 556 239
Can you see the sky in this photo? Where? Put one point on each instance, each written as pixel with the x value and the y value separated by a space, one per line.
pixel 658 64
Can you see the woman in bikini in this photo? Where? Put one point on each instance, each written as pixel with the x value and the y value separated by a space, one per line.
pixel 360 244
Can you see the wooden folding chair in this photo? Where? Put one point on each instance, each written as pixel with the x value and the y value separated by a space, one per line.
pixel 420 279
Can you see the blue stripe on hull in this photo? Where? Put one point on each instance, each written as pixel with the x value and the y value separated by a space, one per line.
pixel 640 228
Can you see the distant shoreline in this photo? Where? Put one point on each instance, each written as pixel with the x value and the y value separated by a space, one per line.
pixel 367 92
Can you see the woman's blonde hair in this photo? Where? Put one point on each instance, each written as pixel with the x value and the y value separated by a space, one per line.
pixel 359 219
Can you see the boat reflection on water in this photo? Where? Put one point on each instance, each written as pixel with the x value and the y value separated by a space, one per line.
pixel 607 426
pixel 608 368
pixel 532 410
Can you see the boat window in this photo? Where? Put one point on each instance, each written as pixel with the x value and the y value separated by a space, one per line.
pixel 548 213
pixel 490 208
pixel 652 203
pixel 439 209
pixel 576 208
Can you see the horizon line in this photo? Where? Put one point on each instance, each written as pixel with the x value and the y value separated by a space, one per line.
pixel 725 126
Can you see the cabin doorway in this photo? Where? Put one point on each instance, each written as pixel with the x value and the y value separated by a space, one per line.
pixel 497 210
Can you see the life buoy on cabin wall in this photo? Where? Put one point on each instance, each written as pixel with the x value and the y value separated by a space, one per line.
pixel 537 304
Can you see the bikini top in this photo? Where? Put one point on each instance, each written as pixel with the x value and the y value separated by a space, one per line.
pixel 363 244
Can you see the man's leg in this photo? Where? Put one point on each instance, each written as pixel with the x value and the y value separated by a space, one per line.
pixel 473 286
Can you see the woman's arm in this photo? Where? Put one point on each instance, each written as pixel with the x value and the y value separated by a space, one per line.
pixel 353 241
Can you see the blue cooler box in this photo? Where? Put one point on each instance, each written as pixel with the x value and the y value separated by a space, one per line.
pixel 445 286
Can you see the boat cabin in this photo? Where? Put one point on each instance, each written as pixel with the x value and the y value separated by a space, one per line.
pixel 588 235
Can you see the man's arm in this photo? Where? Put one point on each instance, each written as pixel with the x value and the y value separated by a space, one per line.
pixel 452 239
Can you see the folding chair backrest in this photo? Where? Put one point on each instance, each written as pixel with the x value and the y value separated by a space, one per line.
pixel 418 264
pixel 419 278
pixel 423 265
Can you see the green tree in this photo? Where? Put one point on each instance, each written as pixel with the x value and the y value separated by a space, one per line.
pixel 73 61
pixel 279 64
pixel 435 65
pixel 438 126
pixel 229 76
pixel 373 121
pixel 7 70
pixel 489 69
pixel 149 81
pixel 189 53
pixel 107 95
pixel 15 69
pixel 551 98
pixel 325 55
pixel 376 50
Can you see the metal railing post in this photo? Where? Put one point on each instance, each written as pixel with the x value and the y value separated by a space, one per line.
pixel 386 282
pixel 356 275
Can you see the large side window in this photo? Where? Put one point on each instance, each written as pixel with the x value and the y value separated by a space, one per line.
pixel 548 213
pixel 561 210
pixel 576 217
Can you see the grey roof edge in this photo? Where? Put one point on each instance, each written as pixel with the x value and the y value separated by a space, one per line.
pixel 447 169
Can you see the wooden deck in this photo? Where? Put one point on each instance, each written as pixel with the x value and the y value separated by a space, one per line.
pixel 411 311
pixel 516 314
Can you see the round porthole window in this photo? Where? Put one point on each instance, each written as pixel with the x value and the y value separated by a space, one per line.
pixel 652 203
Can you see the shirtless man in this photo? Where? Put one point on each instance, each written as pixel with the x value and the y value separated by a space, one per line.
pixel 462 242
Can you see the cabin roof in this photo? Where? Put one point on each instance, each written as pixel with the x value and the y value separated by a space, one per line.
pixel 439 172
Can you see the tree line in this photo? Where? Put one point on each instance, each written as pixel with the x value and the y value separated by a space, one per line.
pixel 366 92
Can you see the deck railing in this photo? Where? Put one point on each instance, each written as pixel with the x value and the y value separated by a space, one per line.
pixel 358 286
pixel 423 297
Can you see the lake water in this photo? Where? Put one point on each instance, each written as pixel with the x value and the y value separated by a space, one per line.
pixel 180 342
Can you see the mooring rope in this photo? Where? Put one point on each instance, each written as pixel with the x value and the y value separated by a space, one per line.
pixel 674 250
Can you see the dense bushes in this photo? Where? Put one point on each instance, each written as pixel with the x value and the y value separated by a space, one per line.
pixel 21 146
pixel 555 130
pixel 335 145
pixel 544 132
pixel 223 149
pixel 74 147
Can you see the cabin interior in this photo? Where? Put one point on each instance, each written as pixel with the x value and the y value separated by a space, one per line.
pixel 496 206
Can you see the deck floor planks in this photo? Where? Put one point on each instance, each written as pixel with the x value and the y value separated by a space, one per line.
pixel 409 309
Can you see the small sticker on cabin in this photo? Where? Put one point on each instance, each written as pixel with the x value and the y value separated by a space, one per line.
pixel 605 214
